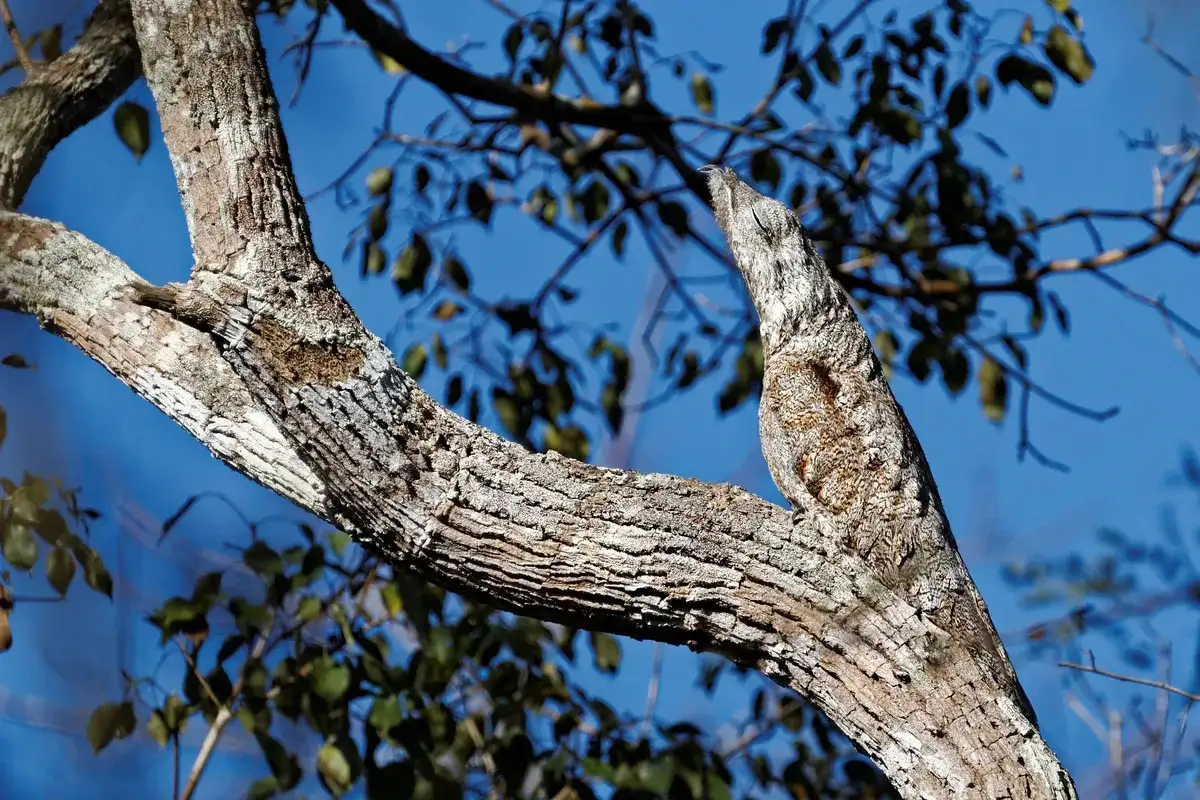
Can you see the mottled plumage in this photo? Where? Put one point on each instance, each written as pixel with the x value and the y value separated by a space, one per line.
pixel 835 440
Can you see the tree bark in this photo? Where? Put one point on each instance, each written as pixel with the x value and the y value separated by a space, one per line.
pixel 262 360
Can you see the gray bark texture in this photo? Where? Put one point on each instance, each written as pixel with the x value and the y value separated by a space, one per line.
pixel 261 359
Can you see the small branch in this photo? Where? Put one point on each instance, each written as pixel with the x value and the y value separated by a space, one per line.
pixel 1166 687
pixel 224 715
pixel 18 44
pixel 652 690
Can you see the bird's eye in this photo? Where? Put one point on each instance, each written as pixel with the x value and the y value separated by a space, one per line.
pixel 759 221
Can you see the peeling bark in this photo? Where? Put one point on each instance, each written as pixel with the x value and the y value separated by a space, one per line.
pixel 261 359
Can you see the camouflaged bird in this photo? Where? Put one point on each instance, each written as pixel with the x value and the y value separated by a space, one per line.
pixel 836 441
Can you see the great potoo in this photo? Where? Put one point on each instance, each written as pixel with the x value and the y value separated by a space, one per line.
pixel 836 441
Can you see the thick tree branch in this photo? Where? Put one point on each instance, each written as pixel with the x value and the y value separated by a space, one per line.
pixel 289 388
pixel 56 99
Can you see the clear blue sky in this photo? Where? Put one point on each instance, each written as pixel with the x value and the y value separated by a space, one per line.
pixel 71 418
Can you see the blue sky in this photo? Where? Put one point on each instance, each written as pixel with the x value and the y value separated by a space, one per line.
pixel 71 418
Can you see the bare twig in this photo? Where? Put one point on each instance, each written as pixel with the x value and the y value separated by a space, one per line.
pixel 18 44
pixel 1166 687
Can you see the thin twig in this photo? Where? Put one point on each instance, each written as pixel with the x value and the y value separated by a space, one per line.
pixel 1166 687
pixel 18 45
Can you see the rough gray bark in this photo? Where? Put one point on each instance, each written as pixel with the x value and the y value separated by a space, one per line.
pixel 64 95
pixel 260 358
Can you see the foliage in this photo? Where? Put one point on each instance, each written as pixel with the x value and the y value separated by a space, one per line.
pixel 874 129
pixel 405 691
pixel 40 509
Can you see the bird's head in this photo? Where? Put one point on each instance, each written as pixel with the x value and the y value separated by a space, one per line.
pixel 779 263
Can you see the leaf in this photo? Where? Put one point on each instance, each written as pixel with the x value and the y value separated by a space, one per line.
pixel 1069 55
pixel 955 369
pixel 827 65
pixel 571 442
pixel 335 768
pixel 607 651
pixel 385 713
pixel 454 390
pixel 620 232
pixel 412 265
pixel 379 181
pixel 262 559
pixel 330 680
pixel 446 310
pixel 374 258
pixel 773 32
pixel 887 347
pixel 132 123
pixel 438 346
pixel 702 93
pixel 18 546
pixel 479 202
pixel 456 273
pixel 512 41
pixel 509 412
pixel 390 65
pixel 674 216
pixel 993 389
pixel 16 361
pixel 983 91
pixel 309 608
pixel 958 106
pixel 60 569
pixel 95 574
pixel 110 721
pixel 764 168
pixel 50 43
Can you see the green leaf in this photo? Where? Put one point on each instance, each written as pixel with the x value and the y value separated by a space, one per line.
pixel 379 181
pixel 390 65
pixel 438 346
pixel 262 559
pixel 886 346
pixel 415 359
pixel 330 680
pixel 1061 6
pixel 309 608
pixel 456 273
pixel 18 545
pixel 509 412
pixel 385 713
pixel 60 569
pixel 955 369
pixel 336 767
pixel 95 574
pixel 110 721
pixel 132 122
pixel 1069 55
pixel 993 389
pixel 570 441
pixel 446 311
pixel 607 651
pixel 374 258
pixel 412 265
pixel 50 43
pixel 157 728
pixel 702 93
pixel 377 222
pixel 983 91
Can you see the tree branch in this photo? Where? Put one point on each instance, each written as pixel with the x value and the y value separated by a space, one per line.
pixel 289 388
pixel 56 99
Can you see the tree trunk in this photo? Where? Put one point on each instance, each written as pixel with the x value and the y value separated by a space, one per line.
pixel 261 359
